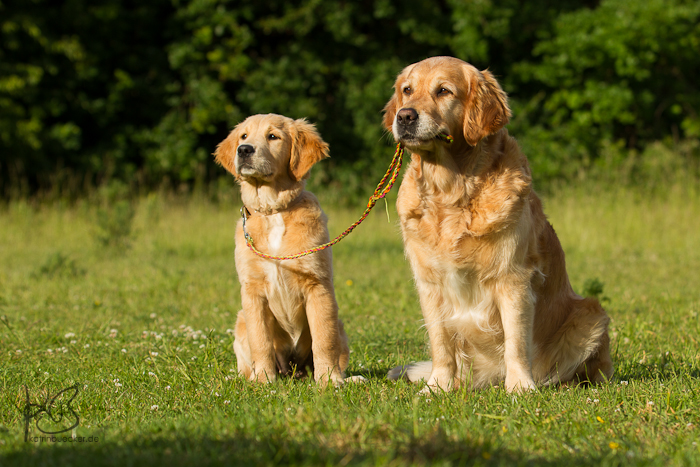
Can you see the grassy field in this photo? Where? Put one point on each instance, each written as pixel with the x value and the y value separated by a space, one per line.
pixel 142 326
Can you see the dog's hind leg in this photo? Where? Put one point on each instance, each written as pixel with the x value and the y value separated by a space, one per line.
pixel 599 367
pixel 580 352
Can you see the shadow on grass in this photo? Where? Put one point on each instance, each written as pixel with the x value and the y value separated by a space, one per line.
pixel 248 449
pixel 656 372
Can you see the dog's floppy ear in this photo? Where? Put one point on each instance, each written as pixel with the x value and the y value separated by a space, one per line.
pixel 390 110
pixel 307 149
pixel 487 108
pixel 225 153
pixel 392 106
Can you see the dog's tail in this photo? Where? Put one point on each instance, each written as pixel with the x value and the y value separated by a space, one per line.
pixel 414 372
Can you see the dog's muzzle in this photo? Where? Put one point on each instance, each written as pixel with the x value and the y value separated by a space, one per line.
pixel 407 122
pixel 245 150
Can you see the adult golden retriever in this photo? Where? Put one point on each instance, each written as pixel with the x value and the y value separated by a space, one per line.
pixel 489 269
pixel 289 321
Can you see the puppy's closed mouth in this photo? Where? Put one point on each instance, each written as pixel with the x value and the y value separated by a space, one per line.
pixel 247 171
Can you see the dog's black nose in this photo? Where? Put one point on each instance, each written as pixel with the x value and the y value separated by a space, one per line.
pixel 245 150
pixel 406 116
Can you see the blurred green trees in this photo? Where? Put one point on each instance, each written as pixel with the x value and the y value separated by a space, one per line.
pixel 143 91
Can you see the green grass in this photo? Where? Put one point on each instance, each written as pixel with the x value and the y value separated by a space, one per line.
pixel 143 327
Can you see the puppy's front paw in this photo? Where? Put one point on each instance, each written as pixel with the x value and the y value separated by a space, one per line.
pixel 263 376
pixel 335 378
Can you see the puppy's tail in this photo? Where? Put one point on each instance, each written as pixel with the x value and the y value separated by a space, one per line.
pixel 414 372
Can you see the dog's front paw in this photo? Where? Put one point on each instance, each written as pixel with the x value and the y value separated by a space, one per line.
pixel 439 381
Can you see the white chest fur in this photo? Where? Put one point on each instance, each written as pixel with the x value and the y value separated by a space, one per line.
pixel 283 298
pixel 467 302
pixel 275 228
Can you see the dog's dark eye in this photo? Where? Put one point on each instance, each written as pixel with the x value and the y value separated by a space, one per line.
pixel 444 92
pixel 245 135
pixel 407 90
pixel 271 136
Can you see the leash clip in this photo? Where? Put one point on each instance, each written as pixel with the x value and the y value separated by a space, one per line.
pixel 244 216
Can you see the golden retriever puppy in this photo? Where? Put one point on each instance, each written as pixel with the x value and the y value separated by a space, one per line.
pixel 289 321
pixel 489 269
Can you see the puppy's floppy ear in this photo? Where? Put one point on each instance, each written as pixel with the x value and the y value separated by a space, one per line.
pixel 486 105
pixel 225 153
pixel 307 149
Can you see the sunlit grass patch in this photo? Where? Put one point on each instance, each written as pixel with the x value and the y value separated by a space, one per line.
pixel 145 333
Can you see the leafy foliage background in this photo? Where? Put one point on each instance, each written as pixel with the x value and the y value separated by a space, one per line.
pixel 143 91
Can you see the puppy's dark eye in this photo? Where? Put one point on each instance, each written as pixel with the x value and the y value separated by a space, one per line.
pixel 407 90
pixel 444 92
pixel 271 136
pixel 245 135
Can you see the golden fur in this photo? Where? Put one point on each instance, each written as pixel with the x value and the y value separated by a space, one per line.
pixel 488 266
pixel 289 321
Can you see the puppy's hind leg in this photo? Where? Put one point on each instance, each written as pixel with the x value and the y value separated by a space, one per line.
pixel 344 348
pixel 345 356
pixel 241 347
pixel 326 343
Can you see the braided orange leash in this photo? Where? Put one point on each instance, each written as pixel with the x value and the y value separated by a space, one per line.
pixel 380 192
